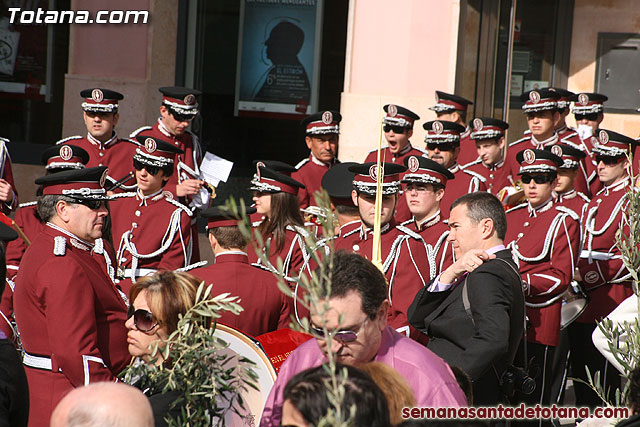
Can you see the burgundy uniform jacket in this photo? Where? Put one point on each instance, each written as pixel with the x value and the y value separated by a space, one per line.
pixel 434 233
pixel 187 164
pixel 545 244
pixel 309 172
pixel 116 154
pixel 465 181
pixel 293 254
pixel 496 177
pixel 604 275
pixel 71 320
pixel 468 152
pixel 265 307
pixel 406 266
pixel 26 218
pixel 150 233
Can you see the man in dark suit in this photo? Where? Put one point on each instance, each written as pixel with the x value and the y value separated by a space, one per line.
pixel 474 311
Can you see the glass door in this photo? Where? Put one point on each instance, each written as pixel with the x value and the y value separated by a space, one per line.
pixel 520 45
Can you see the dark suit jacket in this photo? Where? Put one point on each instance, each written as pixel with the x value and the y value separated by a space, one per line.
pixel 497 306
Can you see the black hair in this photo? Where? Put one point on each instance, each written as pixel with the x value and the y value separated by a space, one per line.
pixel 347 210
pixel 481 205
pixel 351 272
pixel 307 393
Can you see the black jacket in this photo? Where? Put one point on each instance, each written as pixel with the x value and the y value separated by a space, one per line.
pixel 485 346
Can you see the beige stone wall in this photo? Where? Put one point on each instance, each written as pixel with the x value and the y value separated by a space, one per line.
pixel 397 52
pixel 132 59
pixel 591 17
pixel 23 177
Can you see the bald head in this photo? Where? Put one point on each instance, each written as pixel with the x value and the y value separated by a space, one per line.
pixel 103 405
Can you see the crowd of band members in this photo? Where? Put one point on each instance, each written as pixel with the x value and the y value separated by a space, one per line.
pixel 564 191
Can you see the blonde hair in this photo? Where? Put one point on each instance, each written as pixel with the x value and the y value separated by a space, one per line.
pixel 169 294
pixel 395 388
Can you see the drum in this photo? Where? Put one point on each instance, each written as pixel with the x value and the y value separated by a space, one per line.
pixel 574 302
pixel 254 400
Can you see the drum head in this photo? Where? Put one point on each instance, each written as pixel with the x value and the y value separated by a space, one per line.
pixel 242 345
pixel 571 310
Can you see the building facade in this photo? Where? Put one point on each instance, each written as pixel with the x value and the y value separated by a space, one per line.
pixel 363 54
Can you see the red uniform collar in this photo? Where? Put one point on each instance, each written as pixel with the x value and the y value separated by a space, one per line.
pixel 101 144
pixel 366 232
pixel 429 222
pixel 232 256
pixel 534 212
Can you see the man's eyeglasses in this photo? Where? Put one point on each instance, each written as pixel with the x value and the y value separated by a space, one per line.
pixel 182 117
pixel 395 129
pixel 344 336
pixel 447 146
pixel 144 320
pixel 152 170
pixel 92 204
pixel 608 161
pixel 538 179
pixel 592 117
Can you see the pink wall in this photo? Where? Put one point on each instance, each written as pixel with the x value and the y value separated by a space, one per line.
pixel 403 47
pixel 400 52
pixel 133 59
pixel 110 50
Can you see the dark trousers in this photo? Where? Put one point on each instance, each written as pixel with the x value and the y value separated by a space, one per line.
pixel 560 368
pixel 14 392
pixel 539 359
pixel 584 353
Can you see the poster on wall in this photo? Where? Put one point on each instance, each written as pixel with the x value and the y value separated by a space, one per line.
pixel 23 54
pixel 278 58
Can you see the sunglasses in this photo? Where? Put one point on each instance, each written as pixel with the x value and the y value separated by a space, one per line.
pixel 143 319
pixel 592 117
pixel 395 129
pixel 94 205
pixel 344 336
pixel 608 161
pixel 182 117
pixel 538 179
pixel 431 146
pixel 152 170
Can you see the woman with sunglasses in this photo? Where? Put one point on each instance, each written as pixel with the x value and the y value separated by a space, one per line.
pixel 282 229
pixel 150 229
pixel 157 301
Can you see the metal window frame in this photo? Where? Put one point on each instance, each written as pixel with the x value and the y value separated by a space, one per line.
pixel 488 46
